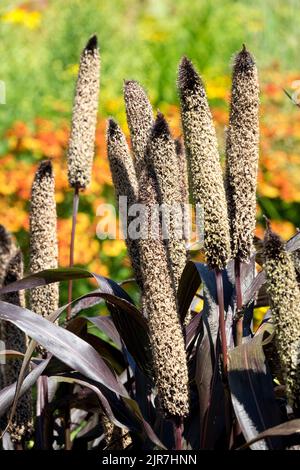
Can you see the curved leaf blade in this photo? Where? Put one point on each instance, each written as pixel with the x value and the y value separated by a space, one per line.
pixel 63 344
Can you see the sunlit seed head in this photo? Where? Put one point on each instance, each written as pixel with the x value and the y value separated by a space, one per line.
pixel 43 237
pixel 139 118
pixel 84 117
pixel 284 295
pixel 242 151
pixel 125 183
pixel 205 171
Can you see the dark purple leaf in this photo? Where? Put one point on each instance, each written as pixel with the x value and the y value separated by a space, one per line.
pixel 7 394
pixel 285 429
pixel 69 348
pixel 252 391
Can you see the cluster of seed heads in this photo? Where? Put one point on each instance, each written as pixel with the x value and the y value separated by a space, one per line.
pixel 157 263
pixel 160 171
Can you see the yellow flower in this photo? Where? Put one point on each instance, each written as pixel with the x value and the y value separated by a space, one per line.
pixel 113 247
pixel 21 16
pixel 72 69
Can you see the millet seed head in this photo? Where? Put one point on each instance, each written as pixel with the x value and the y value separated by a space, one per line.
pixel 162 156
pixel 125 183
pixel 43 238
pixel 15 339
pixel 242 151
pixel 140 120
pixel 284 295
pixel 159 302
pixel 7 249
pixel 205 171
pixel 84 117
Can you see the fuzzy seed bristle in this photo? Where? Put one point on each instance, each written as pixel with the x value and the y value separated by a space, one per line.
pixel 84 117
pixel 242 150
pixel 204 165
pixel 188 78
pixel 160 128
pixel 43 238
pixel 284 295
pixel 92 44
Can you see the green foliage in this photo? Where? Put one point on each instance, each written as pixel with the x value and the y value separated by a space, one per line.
pixel 139 39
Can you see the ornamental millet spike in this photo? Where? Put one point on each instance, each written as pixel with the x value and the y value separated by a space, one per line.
pixel 242 151
pixel 159 300
pixel 21 425
pixel 164 160
pixel 206 177
pixel 43 238
pixel 83 128
pixel 284 294
pixel 125 184
pixel 140 120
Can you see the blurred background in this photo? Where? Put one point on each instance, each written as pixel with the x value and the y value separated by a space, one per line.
pixel 40 44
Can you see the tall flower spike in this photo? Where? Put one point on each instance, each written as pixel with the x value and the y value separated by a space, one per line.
pixel 15 339
pixel 242 149
pixel 163 157
pixel 43 237
pixel 204 165
pixel 125 183
pixel 7 249
pixel 140 120
pixel 159 300
pixel 84 117
pixel 284 294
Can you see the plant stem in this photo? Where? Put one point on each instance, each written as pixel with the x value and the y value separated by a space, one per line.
pixel 67 416
pixel 178 431
pixel 42 413
pixel 72 245
pixel 239 301
pixel 222 329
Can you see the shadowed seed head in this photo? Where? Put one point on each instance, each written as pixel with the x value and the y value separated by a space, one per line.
pixel 7 249
pixel 125 183
pixel 139 118
pixel 284 295
pixel 43 237
pixel 15 339
pixel 204 164
pixel 183 171
pixel 84 117
pixel 162 156
pixel 159 302
pixel 242 150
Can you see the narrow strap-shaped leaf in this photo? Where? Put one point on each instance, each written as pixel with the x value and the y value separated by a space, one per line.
pixel 251 389
pixel 63 344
